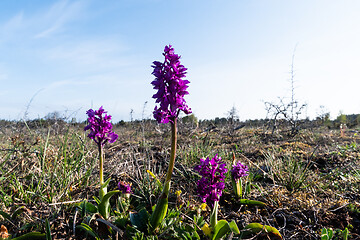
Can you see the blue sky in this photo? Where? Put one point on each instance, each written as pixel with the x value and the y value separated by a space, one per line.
pixel 69 56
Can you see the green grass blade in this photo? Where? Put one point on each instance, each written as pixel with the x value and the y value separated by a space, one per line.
pixel 47 230
pixel 32 236
pixel 88 230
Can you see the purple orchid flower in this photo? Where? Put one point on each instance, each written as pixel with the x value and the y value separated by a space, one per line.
pixel 171 87
pixel 238 171
pixel 211 184
pixel 100 127
pixel 124 187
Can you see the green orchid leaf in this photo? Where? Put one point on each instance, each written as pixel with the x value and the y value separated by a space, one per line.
pixel 87 207
pixel 257 227
pixel 331 233
pixel 139 219
pixel 221 228
pixel 91 208
pixel 159 213
pixel 324 234
pixel 273 231
pixel 252 202
pixel 106 183
pixel 103 189
pixel 104 206
pixel 233 227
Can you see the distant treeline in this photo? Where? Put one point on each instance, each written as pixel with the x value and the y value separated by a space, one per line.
pixel 351 121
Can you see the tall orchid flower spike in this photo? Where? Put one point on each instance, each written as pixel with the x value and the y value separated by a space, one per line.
pixel 101 132
pixel 171 88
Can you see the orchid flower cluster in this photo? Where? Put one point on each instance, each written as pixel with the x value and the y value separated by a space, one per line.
pixel 171 87
pixel 237 173
pixel 125 189
pixel 100 127
pixel 124 199
pixel 211 185
pixel 210 188
pixel 101 132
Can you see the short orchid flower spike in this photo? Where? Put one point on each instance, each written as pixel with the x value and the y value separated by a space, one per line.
pixel 100 127
pixel 211 184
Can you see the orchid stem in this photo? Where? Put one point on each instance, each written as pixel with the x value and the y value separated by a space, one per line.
pixel 173 150
pixel 103 190
pixel 162 204
pixel 213 216
pixel 237 185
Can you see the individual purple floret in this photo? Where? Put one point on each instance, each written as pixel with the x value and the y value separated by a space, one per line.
pixel 211 184
pixel 124 187
pixel 238 171
pixel 100 127
pixel 171 87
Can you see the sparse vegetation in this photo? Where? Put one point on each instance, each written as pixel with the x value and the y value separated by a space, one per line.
pixel 50 172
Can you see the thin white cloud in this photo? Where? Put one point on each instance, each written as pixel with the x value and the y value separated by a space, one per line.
pixel 59 15
pixel 9 28
pixel 96 54
pixel 41 24
pixel 13 23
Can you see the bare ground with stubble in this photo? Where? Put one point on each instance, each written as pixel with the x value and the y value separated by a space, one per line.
pixel 47 168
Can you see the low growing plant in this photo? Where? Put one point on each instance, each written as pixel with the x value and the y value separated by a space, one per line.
pixel 288 170
pixel 330 234
pixel 238 172
pixel 101 132
pixel 210 188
